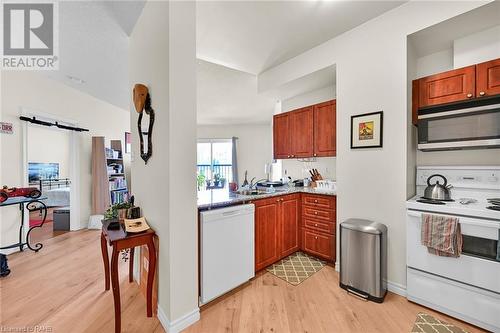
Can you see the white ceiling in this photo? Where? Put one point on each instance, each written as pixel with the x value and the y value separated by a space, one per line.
pixel 249 36
pixel 93 47
pixel 228 96
pixel 440 37
pixel 253 36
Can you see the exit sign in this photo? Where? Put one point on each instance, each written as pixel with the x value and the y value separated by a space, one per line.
pixel 6 128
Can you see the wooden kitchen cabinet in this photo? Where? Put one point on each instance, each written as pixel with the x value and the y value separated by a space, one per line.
pixel 325 129
pixel 319 244
pixel 451 86
pixel 306 132
pixel 318 225
pixel 301 132
pixel 277 225
pixel 463 84
pixel 488 78
pixel 290 224
pixel 281 136
pixel 267 232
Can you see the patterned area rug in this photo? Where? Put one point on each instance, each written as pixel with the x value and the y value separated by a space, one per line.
pixel 428 324
pixel 296 268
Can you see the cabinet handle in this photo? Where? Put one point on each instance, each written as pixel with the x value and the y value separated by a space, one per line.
pixel 293 155
pixel 469 95
pixel 315 213
pixel 278 200
pixel 482 93
pixel 315 201
pixel 315 155
pixel 288 156
pixel 315 224
pixel 315 237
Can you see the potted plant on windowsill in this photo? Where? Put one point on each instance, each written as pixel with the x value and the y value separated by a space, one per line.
pixel 217 179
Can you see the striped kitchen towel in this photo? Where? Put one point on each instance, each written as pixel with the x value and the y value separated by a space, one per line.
pixel 441 235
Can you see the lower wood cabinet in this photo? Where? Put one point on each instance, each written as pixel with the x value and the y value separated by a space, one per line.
pixel 267 233
pixel 288 223
pixel 318 243
pixel 318 225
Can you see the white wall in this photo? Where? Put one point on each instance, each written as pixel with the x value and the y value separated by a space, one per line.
pixel 434 63
pixel 477 48
pixel 309 98
pixel 254 148
pixel 371 63
pixel 26 89
pixel 162 56
pixel 55 147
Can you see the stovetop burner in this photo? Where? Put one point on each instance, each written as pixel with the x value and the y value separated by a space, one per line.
pixel 432 202
pixel 494 208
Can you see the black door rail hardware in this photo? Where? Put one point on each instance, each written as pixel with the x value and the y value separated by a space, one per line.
pixel 33 120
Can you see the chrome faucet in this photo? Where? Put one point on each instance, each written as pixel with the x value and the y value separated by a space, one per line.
pixel 253 184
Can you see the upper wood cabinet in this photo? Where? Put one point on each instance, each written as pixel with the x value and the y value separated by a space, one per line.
pixel 488 78
pixel 301 133
pixel 452 86
pixel 305 132
pixel 457 85
pixel 325 129
pixel 281 136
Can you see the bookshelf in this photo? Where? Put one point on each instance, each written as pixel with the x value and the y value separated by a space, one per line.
pixel 109 184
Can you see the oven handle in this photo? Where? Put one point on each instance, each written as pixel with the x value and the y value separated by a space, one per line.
pixel 463 220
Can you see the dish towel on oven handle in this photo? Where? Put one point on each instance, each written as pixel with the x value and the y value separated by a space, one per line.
pixel 441 235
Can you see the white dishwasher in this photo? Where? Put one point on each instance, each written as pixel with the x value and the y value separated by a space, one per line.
pixel 227 249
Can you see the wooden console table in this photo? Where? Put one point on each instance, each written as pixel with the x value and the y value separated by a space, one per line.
pixel 120 240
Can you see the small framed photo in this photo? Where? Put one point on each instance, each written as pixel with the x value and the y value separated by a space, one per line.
pixel 366 130
pixel 128 142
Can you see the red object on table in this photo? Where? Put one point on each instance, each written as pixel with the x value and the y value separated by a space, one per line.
pixel 120 240
pixel 28 192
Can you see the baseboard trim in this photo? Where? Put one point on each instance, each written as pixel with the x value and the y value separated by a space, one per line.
pixel 179 324
pixel 396 288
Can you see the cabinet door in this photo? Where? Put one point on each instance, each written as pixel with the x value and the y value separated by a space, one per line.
pixel 488 78
pixel 281 136
pixel 325 129
pixel 301 132
pixel 451 86
pixel 267 232
pixel 290 215
pixel 319 244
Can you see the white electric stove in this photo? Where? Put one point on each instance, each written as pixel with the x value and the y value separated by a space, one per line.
pixel 467 287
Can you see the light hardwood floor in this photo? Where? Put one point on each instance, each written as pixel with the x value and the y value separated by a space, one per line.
pixel 62 287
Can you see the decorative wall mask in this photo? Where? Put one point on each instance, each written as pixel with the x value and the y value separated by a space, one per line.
pixel 142 102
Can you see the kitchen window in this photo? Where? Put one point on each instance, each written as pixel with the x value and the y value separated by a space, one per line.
pixel 214 163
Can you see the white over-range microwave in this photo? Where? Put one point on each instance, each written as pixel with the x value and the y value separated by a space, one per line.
pixel 460 126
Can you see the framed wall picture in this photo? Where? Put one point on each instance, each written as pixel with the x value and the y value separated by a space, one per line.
pixel 128 142
pixel 366 130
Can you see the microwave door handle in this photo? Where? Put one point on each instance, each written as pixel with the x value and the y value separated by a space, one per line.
pixel 459 111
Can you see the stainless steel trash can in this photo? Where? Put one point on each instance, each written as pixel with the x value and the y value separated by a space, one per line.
pixel 363 258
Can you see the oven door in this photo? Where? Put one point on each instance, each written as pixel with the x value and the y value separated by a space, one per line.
pixel 477 268
pixel 477 127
